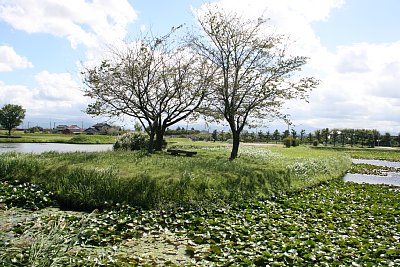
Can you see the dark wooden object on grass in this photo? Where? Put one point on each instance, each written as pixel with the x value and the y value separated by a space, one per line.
pixel 183 152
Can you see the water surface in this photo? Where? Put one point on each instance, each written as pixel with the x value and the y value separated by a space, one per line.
pixel 392 178
pixel 376 162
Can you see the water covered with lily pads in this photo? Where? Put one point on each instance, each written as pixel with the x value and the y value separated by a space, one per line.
pixel 332 224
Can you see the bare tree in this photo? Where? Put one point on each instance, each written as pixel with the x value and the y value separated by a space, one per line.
pixel 150 80
pixel 255 74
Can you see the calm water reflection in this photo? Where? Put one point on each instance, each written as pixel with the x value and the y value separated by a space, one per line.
pixel 392 178
pixel 46 147
pixel 384 163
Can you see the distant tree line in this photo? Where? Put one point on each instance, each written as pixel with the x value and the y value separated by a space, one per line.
pixel 326 136
pixel 356 137
pixel 181 131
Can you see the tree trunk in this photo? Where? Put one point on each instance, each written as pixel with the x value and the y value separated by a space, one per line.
pixel 159 139
pixel 235 146
pixel 151 141
pixel 9 132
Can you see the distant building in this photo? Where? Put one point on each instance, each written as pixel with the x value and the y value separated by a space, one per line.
pixel 72 129
pixel 60 128
pixel 101 126
pixel 91 130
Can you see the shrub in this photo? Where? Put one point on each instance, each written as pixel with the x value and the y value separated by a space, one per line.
pixel 315 143
pixel 296 142
pixel 290 141
pixel 132 141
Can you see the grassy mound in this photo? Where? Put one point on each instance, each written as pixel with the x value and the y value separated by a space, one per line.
pixel 86 181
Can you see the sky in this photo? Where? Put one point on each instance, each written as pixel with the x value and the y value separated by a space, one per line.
pixel 353 48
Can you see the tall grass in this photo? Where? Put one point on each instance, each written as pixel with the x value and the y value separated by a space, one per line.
pixel 94 180
pixel 17 166
pixel 47 243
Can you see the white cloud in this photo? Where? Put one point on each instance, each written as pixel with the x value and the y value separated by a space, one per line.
pixel 90 23
pixel 10 60
pixel 15 94
pixel 56 94
pixel 353 61
pixel 292 18
pixel 57 87
pixel 359 82
pixel 359 89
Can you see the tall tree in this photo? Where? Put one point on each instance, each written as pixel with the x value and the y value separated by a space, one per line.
pixel 310 138
pixel 398 140
pixel 276 135
pixel 294 133
pixel 325 134
pixel 254 71
pixel 151 80
pixel 261 136
pixel 350 136
pixel 302 134
pixel 335 134
pixel 214 135
pixel 285 134
pixel 268 136
pixel 11 116
pixel 317 134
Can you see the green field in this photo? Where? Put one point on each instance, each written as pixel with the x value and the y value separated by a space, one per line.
pixel 21 137
pixel 381 153
pixel 272 206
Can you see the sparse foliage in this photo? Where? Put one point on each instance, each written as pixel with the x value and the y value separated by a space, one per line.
pixel 255 74
pixel 152 81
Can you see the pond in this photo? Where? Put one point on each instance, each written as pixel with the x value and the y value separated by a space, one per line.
pixel 38 148
pixel 376 162
pixel 392 178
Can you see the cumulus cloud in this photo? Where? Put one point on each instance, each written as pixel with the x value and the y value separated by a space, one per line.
pixel 16 94
pixel 359 89
pixel 10 60
pixel 88 26
pixel 56 94
pixel 57 87
pixel 291 18
pixel 359 82
pixel 82 22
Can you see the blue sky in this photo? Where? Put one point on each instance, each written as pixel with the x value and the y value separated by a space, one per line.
pixel 353 47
